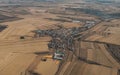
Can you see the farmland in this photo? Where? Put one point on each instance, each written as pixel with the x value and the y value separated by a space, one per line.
pixel 59 39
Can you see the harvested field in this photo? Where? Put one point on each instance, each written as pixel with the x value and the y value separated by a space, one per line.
pixel 56 41
pixel 16 56
pixel 51 70
pixel 15 63
pixel 106 32
pixel 24 46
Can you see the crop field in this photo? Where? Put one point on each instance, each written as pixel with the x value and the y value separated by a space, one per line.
pixel 59 39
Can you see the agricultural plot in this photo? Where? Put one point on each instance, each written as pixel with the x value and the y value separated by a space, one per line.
pixel 88 42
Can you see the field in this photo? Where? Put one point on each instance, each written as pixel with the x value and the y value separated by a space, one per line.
pixel 91 45
pixel 17 55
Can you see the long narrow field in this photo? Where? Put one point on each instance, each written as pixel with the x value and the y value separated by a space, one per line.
pixel 24 46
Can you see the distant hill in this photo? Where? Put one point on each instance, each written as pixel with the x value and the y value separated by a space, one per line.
pixel 10 1
pixel 39 0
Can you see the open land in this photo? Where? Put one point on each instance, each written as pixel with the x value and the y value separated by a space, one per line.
pixel 30 35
